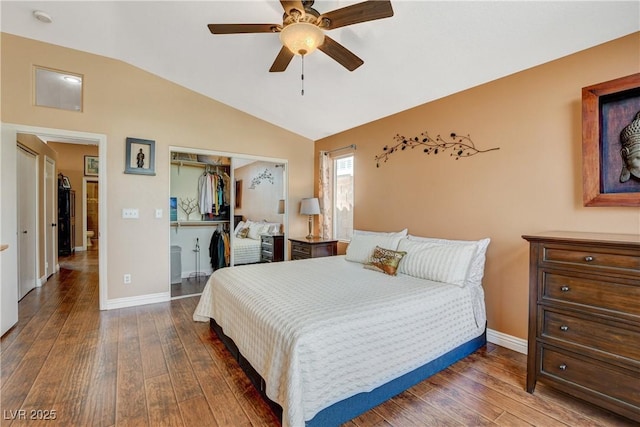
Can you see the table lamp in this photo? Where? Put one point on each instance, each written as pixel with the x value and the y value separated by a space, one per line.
pixel 310 206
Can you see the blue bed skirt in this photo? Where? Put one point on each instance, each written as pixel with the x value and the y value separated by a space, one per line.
pixel 345 410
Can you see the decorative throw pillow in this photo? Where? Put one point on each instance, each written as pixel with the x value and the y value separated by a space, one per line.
pixel 385 260
pixel 243 233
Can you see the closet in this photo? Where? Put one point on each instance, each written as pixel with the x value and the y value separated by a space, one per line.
pixel 203 217
pixel 200 213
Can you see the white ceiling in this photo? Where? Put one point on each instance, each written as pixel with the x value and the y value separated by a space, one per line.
pixel 427 50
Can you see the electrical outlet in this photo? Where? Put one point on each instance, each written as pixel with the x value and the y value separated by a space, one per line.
pixel 130 213
pixel 127 279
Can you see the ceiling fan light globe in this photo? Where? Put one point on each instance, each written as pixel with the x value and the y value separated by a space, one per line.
pixel 301 38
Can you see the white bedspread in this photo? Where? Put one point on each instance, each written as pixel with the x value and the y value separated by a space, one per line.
pixel 321 330
pixel 246 251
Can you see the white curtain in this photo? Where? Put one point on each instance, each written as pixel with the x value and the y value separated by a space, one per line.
pixel 325 194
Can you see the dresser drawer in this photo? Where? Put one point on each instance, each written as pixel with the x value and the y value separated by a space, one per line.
pixel 615 338
pixel 593 292
pixel 616 385
pixel 599 258
pixel 267 244
pixel 301 249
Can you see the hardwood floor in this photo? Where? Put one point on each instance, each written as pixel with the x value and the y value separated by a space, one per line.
pixel 153 366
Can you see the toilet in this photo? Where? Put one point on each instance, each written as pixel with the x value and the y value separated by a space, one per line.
pixel 90 234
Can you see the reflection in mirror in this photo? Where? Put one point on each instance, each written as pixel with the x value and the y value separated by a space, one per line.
pixel 58 89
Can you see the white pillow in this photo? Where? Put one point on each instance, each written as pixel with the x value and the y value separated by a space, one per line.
pixel 363 243
pixel 436 261
pixel 476 269
pixel 272 227
pixel 239 227
pixel 256 229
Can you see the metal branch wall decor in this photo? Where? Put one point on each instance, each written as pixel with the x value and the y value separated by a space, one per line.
pixel 266 175
pixel 459 146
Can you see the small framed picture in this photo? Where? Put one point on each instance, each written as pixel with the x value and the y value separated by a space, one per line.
pixel 140 157
pixel 91 166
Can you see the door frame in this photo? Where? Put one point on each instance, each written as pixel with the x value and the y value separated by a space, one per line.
pixel 50 236
pixel 11 130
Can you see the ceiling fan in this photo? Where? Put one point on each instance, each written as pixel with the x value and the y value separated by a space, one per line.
pixel 302 30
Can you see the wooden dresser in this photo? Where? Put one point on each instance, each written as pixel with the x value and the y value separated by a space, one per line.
pixel 303 248
pixel 584 317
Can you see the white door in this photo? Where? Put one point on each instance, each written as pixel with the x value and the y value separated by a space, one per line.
pixel 27 210
pixel 51 218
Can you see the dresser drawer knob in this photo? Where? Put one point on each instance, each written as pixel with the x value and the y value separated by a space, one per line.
pixel 588 258
pixel 564 328
pixel 563 367
pixel 564 289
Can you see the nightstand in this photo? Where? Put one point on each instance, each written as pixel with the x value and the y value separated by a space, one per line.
pixel 271 247
pixel 303 248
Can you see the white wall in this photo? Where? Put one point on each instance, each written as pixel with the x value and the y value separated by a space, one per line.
pixel 8 227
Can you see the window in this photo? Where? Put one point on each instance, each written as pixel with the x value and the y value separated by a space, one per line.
pixel 343 197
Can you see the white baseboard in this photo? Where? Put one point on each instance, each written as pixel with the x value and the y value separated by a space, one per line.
pixel 507 341
pixel 138 300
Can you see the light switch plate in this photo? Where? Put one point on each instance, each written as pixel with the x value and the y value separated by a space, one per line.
pixel 158 213
pixel 130 213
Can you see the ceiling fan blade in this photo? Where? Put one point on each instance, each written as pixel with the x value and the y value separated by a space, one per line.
pixel 359 12
pixel 282 60
pixel 340 53
pixel 289 5
pixel 242 28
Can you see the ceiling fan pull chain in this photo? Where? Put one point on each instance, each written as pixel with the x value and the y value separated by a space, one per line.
pixel 302 75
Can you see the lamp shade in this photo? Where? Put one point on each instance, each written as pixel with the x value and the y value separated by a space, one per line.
pixel 310 206
pixel 281 206
pixel 301 38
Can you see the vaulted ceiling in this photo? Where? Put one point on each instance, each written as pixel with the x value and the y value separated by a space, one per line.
pixel 427 50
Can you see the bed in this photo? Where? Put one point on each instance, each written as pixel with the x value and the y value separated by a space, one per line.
pixel 246 241
pixel 330 339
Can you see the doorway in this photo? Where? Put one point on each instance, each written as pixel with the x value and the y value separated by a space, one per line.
pixel 27 207
pixel 9 220
pixel 91 204
pixel 193 233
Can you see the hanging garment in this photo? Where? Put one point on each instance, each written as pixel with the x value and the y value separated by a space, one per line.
pixel 205 196
pixel 219 250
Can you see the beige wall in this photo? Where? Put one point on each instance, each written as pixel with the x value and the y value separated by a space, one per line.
pixel 71 164
pixel 532 184
pixel 123 101
pixel 261 202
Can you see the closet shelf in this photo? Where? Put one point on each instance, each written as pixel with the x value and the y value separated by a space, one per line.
pixel 198 223
pixel 198 164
